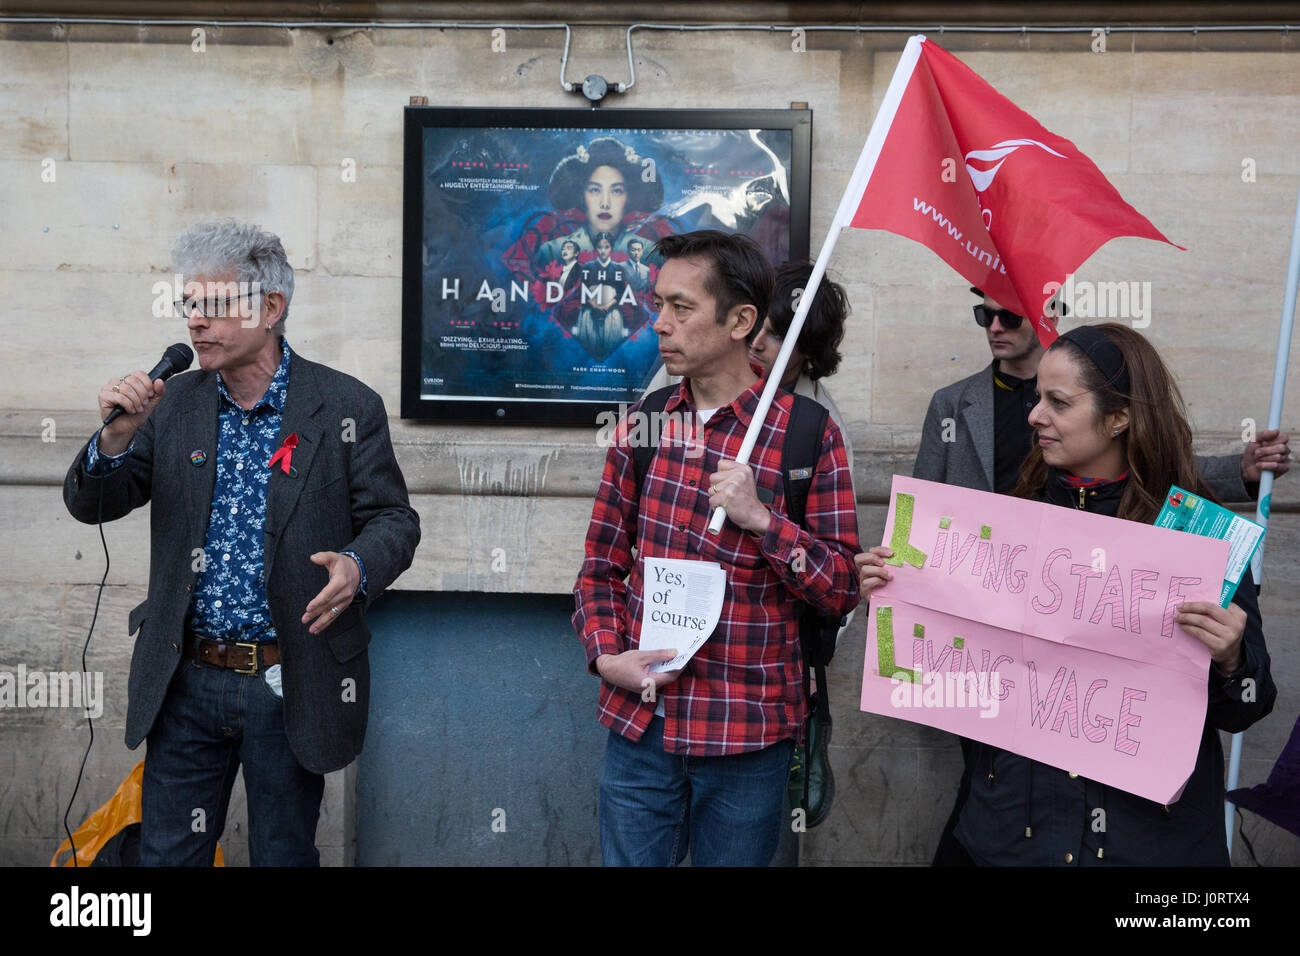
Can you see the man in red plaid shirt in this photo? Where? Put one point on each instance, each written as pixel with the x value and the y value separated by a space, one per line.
pixel 700 757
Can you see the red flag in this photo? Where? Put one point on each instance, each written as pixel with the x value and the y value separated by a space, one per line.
pixel 957 166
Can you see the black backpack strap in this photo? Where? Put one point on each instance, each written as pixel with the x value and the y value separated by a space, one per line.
pixel 800 452
pixel 799 456
pixel 644 453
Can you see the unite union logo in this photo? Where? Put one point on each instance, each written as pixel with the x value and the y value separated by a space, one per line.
pixel 997 154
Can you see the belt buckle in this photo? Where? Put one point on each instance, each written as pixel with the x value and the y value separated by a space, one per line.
pixel 252 649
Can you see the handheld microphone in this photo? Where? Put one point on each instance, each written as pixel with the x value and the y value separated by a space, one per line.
pixel 177 358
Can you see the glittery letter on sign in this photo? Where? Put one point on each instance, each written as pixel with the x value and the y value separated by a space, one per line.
pixel 898 542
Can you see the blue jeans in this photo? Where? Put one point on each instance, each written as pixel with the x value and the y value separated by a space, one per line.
pixel 654 806
pixel 212 721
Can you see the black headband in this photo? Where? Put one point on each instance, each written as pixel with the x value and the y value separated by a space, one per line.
pixel 1103 353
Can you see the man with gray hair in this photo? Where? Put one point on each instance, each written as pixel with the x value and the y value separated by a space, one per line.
pixel 278 515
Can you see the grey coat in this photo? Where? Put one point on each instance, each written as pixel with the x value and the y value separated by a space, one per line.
pixel 348 494
pixel 967 460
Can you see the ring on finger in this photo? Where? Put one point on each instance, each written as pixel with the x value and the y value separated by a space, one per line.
pixel 334 611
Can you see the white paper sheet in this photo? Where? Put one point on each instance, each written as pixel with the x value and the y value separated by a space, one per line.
pixel 681 607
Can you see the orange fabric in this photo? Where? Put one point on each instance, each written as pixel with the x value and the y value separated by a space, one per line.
pixel 121 810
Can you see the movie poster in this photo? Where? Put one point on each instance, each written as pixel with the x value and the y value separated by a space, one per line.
pixel 538 258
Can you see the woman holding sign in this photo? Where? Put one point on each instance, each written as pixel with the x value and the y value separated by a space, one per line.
pixel 1111 438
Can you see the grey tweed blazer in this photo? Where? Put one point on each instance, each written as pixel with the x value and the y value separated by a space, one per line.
pixel 347 495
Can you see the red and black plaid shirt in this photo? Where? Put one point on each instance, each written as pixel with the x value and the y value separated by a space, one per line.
pixel 743 690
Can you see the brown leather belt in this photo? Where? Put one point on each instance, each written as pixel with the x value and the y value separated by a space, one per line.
pixel 242 658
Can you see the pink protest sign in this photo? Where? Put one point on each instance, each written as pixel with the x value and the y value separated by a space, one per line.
pixel 1045 631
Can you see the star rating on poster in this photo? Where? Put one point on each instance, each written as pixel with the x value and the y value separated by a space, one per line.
pixel 478 164
pixel 714 171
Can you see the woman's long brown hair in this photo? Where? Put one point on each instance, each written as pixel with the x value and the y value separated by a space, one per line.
pixel 1158 441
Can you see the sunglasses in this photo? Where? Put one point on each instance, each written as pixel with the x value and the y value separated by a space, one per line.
pixel 984 317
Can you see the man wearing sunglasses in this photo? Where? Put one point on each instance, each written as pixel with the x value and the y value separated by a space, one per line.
pixel 977 433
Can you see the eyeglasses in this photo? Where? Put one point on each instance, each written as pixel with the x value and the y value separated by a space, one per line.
pixel 211 307
pixel 984 317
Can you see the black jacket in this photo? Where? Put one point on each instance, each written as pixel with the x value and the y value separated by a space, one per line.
pixel 346 493
pixel 1024 813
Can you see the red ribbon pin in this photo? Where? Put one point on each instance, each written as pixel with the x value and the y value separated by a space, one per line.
pixel 284 454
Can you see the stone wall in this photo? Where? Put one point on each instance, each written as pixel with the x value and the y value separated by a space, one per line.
pixel 113 139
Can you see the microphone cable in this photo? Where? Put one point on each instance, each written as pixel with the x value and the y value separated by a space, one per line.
pixel 90 722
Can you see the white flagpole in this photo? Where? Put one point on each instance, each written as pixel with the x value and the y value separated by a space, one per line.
pixel 843 217
pixel 1266 477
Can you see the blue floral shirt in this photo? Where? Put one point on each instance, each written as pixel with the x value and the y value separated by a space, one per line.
pixel 230 596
